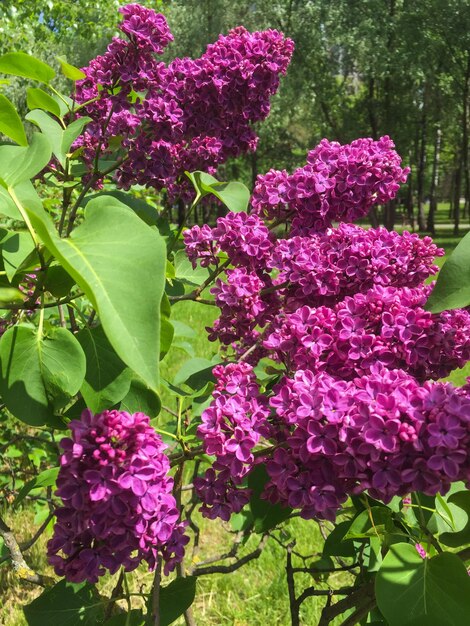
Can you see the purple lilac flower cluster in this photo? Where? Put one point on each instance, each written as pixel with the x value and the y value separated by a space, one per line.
pixel 118 508
pixel 384 433
pixel 342 311
pixel 326 267
pixel 231 427
pixel 339 182
pixel 385 325
pixel 244 238
pixel 191 114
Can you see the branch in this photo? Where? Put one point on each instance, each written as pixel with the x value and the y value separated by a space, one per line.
pixel 363 596
pixel 20 566
pixel 227 569
pixel 91 181
pixel 34 306
pixel 156 594
pixel 194 295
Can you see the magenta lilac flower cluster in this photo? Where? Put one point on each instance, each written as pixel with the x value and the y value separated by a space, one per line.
pixel 385 325
pixel 339 182
pixel 191 114
pixel 384 433
pixel 341 310
pixel 231 427
pixel 118 508
pixel 326 267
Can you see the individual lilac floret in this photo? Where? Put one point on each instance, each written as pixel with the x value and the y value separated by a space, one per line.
pixel 231 427
pixel 383 433
pixel 118 509
pixel 385 325
pixel 337 183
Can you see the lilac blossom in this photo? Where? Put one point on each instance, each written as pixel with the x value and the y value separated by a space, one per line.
pixel 339 182
pixel 118 508
pixel 191 114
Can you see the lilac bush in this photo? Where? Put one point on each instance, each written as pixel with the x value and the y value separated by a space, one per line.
pixel 326 401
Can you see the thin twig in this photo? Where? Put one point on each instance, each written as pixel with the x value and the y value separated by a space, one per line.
pixel 20 566
pixel 156 594
pixel 227 569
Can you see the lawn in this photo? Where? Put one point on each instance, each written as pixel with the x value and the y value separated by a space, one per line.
pixel 254 595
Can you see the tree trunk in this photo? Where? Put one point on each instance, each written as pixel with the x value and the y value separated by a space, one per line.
pixel 374 220
pixel 390 214
pixel 434 183
pixel 181 212
pixel 371 107
pixel 422 166
pixel 456 203
pixel 465 113
pixel 254 169
pixel 409 198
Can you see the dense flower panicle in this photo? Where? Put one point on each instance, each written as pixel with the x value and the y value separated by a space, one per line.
pixel 243 307
pixel 231 427
pixel 189 115
pixel 145 28
pixel 325 268
pixel 384 433
pixel 118 508
pixel 244 238
pixel 339 182
pixel 385 325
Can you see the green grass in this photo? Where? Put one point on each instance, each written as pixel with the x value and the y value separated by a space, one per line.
pixel 256 594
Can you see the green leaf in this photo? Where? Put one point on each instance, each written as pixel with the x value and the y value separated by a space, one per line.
pixel 196 373
pixel 18 165
pixel 183 330
pixel 60 139
pixel 184 270
pixel 234 195
pixel 39 374
pixel 141 399
pixel 51 129
pixel 10 122
pixel 107 379
pixel 176 598
pixel 147 213
pixel 431 592
pixel 47 478
pixel 9 295
pixel 7 206
pixel 452 289
pixel 265 515
pixel 70 71
pixel 166 337
pixel 16 248
pixel 125 288
pixel 66 604
pixel 22 64
pixel 370 523
pixel 58 281
pixel 37 98
pixel 459 505
pixel 72 131
pixel 135 617
pixel 177 391
pixel 336 544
